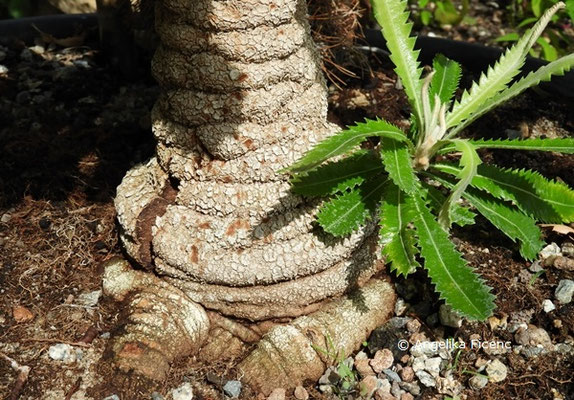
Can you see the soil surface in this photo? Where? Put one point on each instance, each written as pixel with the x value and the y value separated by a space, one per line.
pixel 70 128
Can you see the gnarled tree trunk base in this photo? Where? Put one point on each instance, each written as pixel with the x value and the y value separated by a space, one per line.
pixel 161 324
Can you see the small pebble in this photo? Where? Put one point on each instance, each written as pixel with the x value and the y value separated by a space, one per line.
pixel 6 217
pixel 277 394
pixel 300 393
pixel 497 323
pixel 513 327
pixel 112 397
pixel 183 392
pixel 448 385
pixel 496 371
pixel 384 385
pixel 564 291
pixel 564 264
pixel 363 368
pixel 449 317
pixel 407 374
pixel 396 390
pixel 432 366
pixel 368 385
pixel 425 378
pixel 564 348
pixel 37 49
pixel 532 351
pixel 89 299
pixel 22 314
pixel 413 326
pixel 567 247
pixel 156 396
pixel 551 250
pixel 548 306
pixel 392 375
pixel 232 389
pixel 533 336
pixel 327 389
pixel 400 307
pixel 481 364
pixel 478 382
pixel 411 387
pixel 535 267
pixel 383 359
pixel 418 364
pixel 3 69
pixel 62 352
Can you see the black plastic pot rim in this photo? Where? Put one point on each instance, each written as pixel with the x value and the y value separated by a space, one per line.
pixel 472 55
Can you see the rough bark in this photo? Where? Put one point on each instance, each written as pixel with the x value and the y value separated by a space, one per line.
pixel 154 311
pixel 243 96
pixel 309 344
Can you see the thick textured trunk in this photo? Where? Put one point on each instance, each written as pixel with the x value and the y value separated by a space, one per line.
pixel 243 96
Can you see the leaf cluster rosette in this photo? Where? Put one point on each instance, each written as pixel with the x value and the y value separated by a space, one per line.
pixel 415 198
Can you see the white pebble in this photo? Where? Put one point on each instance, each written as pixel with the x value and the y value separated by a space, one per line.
pixel 425 378
pixel 548 306
pixel 183 392
pixel 449 317
pixel 564 291
pixel 478 381
pixel 62 352
pixel 496 371
pixel 551 250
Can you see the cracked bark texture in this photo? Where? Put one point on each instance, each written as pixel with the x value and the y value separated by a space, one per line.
pixel 242 97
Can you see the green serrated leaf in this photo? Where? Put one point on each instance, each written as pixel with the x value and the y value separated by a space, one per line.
pixel 460 215
pixel 397 162
pixel 392 16
pixel 469 161
pixel 338 176
pixel 345 141
pixel 499 76
pixel 545 73
pixel 456 282
pixel 509 219
pixel 345 213
pixel 547 201
pixel 398 240
pixel 565 145
pixel 445 79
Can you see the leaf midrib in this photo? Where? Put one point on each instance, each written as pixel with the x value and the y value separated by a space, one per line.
pixel 534 195
pixel 442 262
pixel 484 204
pixel 336 222
pixel 341 177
